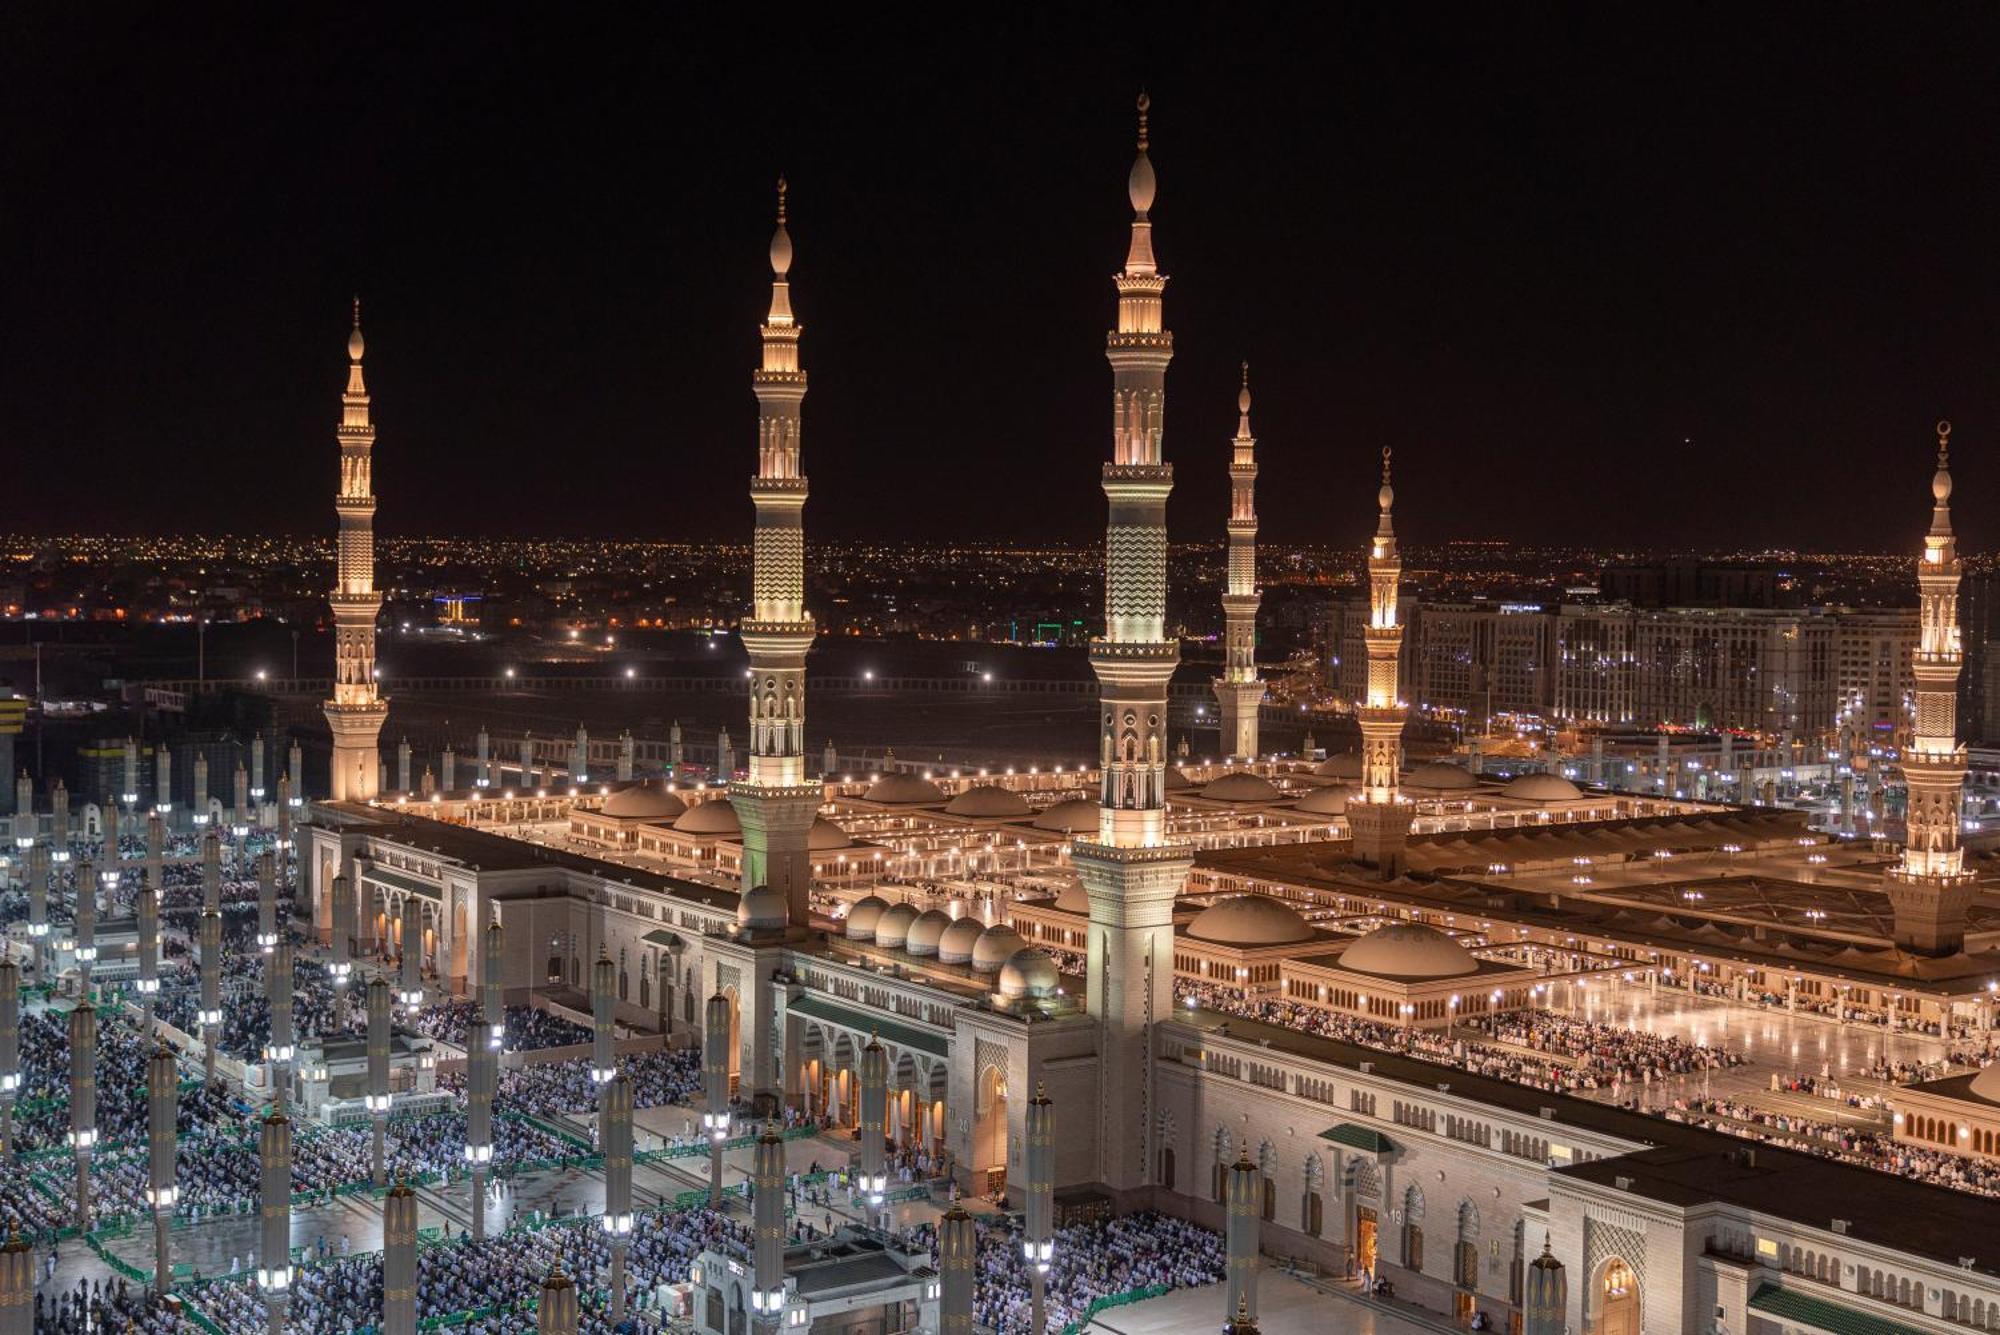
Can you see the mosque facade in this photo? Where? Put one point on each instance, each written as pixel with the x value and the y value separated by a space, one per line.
pixel 1412 896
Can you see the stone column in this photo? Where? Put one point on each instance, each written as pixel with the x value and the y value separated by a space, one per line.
pixel 83 1102
pixel 874 1100
pixel 10 1052
pixel 767 1180
pixel 146 906
pixel 209 1017
pixel 482 1076
pixel 1241 1192
pixel 411 995
pixel 17 1287
pixel 557 1313
pixel 614 1136
pixel 274 1255
pixel 283 1047
pixel 1038 1240
pixel 603 1053
pixel 377 1097
pixel 267 902
pixel 340 936
pixel 38 907
pixel 715 1089
pixel 1545 1295
pixel 958 1249
pixel 162 1146
pixel 85 926
pixel 399 1261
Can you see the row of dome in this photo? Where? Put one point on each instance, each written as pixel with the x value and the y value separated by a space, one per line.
pixel 933 933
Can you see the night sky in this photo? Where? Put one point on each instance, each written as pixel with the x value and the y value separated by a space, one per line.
pixel 1534 254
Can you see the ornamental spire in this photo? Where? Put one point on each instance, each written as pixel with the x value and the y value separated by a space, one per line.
pixel 1141 186
pixel 1243 406
pixel 781 265
pixel 1941 487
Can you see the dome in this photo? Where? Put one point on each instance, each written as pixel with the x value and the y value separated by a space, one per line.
pixel 825 835
pixel 1029 973
pixel 643 802
pixel 926 932
pixel 995 946
pixel 1242 786
pixel 1986 1084
pixel 714 816
pixel 762 909
pixel 1076 816
pixel 955 946
pixel 1177 782
pixel 1408 950
pixel 1249 920
pixel 1073 899
pixel 861 919
pixel 1438 774
pixel 987 802
pixel 1322 802
pixel 1541 788
pixel 903 790
pixel 1346 765
pixel 893 927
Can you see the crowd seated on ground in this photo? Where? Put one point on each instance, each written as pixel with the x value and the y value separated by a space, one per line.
pixel 1537 1048
pixel 1095 1260
pixel 1830 1140
pixel 528 1028
pixel 552 1089
pixel 345 1294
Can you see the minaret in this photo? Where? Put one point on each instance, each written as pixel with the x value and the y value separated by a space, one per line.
pixel 1131 873
pixel 1930 889
pixel 1380 820
pixel 1238 692
pixel 357 710
pixel 775 803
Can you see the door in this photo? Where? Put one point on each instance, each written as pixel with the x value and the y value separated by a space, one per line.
pixel 1364 1239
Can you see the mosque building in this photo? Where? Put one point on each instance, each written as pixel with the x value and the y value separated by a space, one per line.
pixel 1077 933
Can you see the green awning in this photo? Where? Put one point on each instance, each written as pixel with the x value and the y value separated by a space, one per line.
pixel 1823 1314
pixel 398 881
pixel 660 936
pixel 1357 1137
pixel 902 1035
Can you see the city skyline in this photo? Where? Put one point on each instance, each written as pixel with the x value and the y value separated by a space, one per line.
pixel 1516 281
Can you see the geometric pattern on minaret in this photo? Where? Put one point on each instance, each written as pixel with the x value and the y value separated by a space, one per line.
pixel 357 710
pixel 1131 874
pixel 1930 889
pixel 1380 819
pixel 775 804
pixel 1238 693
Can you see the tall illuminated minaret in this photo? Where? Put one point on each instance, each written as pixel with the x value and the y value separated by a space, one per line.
pixel 1131 873
pixel 1238 692
pixel 1380 820
pixel 1930 889
pixel 775 803
pixel 357 710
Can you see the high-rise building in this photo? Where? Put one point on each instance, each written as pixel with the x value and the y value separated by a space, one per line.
pixel 774 802
pixel 357 711
pixel 1593 665
pixel 1131 874
pixel 1479 660
pixel 1238 692
pixel 1746 669
pixel 1873 656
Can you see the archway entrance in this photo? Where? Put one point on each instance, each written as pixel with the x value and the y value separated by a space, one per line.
pixel 1364 1238
pixel 989 1134
pixel 1616 1299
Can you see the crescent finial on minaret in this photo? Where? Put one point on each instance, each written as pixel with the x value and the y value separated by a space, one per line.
pixel 781 251
pixel 1145 105
pixel 355 346
pixel 781 199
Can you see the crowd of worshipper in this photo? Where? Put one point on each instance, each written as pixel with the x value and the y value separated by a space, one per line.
pixel 1094 1260
pixel 318 1009
pixel 1832 1140
pixel 528 1027
pixel 41 1113
pixel 1837 1008
pixel 336 1296
pixel 104 1305
pixel 1542 1049
pixel 551 1089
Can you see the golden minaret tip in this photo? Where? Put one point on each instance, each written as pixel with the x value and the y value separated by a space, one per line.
pixel 1145 105
pixel 355 345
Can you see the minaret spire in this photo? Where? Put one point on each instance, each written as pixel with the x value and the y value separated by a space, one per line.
pixel 1930 888
pixel 1380 821
pixel 1132 873
pixel 775 803
pixel 1238 692
pixel 357 710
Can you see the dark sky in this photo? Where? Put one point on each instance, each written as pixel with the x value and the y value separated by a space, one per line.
pixel 1535 251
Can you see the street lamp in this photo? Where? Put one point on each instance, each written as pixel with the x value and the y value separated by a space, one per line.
pixel 716 1124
